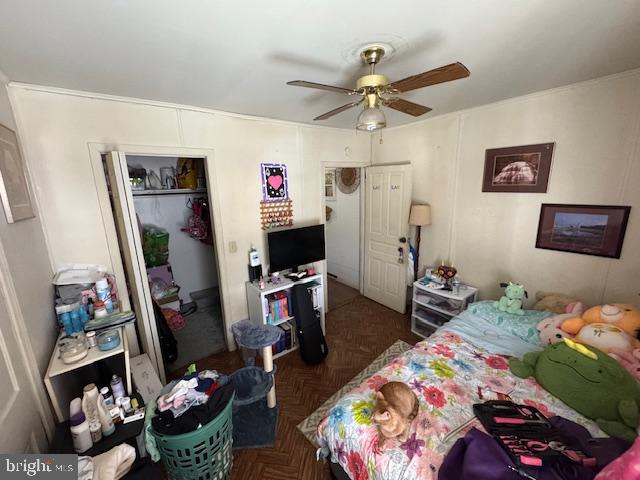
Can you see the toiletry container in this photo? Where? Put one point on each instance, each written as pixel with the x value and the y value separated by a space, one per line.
pixel 103 293
pixel 95 410
pixel 96 431
pixel 80 433
pixel 107 397
pixel 75 318
pixel 117 387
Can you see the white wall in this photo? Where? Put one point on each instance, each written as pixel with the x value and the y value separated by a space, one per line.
pixel 491 237
pixel 26 251
pixel 342 234
pixel 192 262
pixel 27 274
pixel 58 126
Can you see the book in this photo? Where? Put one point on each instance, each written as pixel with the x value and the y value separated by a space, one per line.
pixel 286 327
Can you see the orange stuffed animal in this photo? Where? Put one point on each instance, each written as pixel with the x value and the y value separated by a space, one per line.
pixel 625 317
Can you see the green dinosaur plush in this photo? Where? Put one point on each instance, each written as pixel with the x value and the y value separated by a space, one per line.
pixel 511 301
pixel 589 381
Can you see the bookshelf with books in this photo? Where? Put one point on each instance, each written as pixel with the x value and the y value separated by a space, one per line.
pixel 273 305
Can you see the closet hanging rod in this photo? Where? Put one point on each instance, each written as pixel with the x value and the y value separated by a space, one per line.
pixel 166 191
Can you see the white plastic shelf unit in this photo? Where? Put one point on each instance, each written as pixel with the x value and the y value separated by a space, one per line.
pixel 432 308
pixel 257 301
pixel 65 381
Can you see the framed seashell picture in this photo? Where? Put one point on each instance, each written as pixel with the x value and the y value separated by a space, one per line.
pixel 518 169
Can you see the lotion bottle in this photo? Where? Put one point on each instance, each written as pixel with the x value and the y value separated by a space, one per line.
pixel 93 402
pixel 80 433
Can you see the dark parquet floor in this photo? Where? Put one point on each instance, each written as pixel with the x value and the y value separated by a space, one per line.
pixel 356 334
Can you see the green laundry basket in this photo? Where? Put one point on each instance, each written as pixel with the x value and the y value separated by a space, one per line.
pixel 204 454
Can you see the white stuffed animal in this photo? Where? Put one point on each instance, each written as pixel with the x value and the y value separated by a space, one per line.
pixel 549 328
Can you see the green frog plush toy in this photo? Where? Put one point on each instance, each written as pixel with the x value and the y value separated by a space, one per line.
pixel 589 381
pixel 511 301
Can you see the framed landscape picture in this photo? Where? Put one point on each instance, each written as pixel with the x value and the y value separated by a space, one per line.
pixel 518 169
pixel 588 229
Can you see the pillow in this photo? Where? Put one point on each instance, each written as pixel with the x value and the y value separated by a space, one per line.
pixel 553 302
pixel 522 326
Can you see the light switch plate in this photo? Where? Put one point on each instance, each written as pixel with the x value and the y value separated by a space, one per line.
pixel 233 247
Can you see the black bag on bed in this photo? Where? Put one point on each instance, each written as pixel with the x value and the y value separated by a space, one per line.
pixel 313 346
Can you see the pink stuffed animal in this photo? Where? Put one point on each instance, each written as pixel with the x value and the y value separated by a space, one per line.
pixel 626 466
pixel 629 360
pixel 549 328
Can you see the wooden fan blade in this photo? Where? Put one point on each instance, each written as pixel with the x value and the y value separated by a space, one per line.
pixel 406 106
pixel 335 111
pixel 319 86
pixel 447 73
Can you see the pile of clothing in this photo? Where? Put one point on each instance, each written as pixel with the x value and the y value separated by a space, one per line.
pixel 186 404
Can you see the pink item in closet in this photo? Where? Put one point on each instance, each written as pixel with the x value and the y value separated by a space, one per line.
pixel 174 319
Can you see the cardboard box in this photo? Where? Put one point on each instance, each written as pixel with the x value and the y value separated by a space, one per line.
pixel 145 378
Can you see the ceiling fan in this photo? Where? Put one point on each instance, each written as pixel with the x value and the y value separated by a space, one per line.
pixel 376 90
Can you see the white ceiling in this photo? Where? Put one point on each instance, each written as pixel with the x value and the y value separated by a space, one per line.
pixel 237 55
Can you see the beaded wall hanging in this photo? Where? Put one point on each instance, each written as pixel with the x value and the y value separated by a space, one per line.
pixel 276 214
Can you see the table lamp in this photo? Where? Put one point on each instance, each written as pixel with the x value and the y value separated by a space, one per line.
pixel 420 215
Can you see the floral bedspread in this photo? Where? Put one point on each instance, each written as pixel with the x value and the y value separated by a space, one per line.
pixel 448 375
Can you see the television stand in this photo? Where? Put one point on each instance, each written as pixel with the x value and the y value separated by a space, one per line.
pixel 296 275
pixel 262 309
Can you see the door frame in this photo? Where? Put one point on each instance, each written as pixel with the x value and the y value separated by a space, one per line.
pixel 96 150
pixel 323 216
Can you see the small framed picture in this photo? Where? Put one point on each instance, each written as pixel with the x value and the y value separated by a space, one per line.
pixel 275 184
pixel 518 169
pixel 14 189
pixel 330 184
pixel 588 229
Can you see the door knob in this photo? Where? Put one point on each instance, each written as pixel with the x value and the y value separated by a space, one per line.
pixel 402 239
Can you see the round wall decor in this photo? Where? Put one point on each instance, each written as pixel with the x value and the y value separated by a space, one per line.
pixel 348 179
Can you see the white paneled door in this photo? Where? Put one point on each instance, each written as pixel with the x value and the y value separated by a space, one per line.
pixel 387 205
pixel 22 424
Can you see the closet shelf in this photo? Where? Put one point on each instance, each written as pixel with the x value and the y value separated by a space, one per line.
pixel 166 191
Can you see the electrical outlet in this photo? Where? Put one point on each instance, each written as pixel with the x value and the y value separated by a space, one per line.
pixel 233 247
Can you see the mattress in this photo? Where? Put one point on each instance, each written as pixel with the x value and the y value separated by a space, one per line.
pixel 448 372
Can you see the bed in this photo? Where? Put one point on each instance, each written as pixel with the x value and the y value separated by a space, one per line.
pixel 449 371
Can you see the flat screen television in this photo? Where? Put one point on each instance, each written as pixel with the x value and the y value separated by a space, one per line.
pixel 291 248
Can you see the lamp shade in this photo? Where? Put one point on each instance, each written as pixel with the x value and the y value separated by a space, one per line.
pixel 371 119
pixel 420 215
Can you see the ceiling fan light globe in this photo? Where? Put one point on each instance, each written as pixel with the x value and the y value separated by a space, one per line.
pixel 371 119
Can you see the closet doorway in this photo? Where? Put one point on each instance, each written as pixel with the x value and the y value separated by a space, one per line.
pixel 164 221
pixel 343 206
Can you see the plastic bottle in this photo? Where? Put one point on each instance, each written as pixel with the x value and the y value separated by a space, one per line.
pixel 96 431
pixel 80 433
pixel 67 323
pixel 254 257
pixel 109 402
pixel 64 317
pixel 95 410
pixel 75 318
pixel 117 387
pixel 89 405
pixel 99 309
pixel 103 293
pixel 105 418
pixel 84 317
